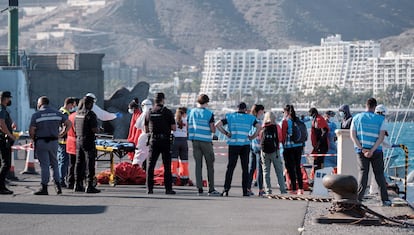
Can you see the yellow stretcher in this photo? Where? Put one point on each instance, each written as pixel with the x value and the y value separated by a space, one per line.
pixel 118 148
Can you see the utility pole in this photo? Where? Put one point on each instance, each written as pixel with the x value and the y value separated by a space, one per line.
pixel 13 39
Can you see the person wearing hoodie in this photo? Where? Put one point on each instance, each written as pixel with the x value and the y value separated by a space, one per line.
pixel 134 132
pixel 346 116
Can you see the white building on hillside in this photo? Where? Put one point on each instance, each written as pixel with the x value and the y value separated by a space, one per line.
pixel 229 72
pixel 389 70
pixel 334 63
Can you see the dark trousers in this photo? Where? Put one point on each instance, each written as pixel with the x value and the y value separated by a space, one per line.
pixel 85 164
pixel 158 147
pixel 318 160
pixel 234 153
pixel 377 163
pixel 71 173
pixel 5 150
pixel 292 157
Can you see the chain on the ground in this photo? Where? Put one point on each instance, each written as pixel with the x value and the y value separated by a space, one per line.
pixel 400 220
pixel 394 219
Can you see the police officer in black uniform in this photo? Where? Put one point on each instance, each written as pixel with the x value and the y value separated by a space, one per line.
pixel 86 126
pixel 6 140
pixel 159 123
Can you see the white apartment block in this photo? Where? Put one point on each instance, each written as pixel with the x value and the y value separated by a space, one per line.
pixel 392 69
pixel 228 72
pixel 188 99
pixel 333 63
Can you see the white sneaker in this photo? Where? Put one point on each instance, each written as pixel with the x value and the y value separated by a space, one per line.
pixel 300 191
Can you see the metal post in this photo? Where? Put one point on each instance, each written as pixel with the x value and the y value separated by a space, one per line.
pixel 13 39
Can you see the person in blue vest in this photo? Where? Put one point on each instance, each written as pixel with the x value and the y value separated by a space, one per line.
pixel 239 125
pixel 200 131
pixel 367 133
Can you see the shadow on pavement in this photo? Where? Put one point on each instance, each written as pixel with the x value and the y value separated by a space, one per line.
pixel 29 208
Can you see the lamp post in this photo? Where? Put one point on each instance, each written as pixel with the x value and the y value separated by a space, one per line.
pixel 13 39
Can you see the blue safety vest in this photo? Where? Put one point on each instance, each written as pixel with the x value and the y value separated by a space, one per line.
pixel 199 124
pixel 255 143
pixel 239 125
pixel 368 127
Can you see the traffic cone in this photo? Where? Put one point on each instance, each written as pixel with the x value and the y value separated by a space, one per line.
pixel 30 164
pixel 11 175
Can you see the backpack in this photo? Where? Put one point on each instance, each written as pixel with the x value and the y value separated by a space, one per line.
pixel 299 132
pixel 269 141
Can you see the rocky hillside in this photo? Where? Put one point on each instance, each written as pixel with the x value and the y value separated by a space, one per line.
pixel 164 34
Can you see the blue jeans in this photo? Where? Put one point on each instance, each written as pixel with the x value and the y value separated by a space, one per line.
pixel 63 162
pixel 255 163
pixel 46 154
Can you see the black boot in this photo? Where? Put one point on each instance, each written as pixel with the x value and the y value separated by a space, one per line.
pixel 58 189
pixel 42 190
pixel 4 190
pixel 91 189
pixel 79 187
pixel 71 186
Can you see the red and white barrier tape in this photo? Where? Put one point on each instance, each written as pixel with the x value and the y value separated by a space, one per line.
pixel 22 147
pixel 319 155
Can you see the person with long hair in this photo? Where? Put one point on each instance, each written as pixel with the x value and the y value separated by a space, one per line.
pixel 292 152
pixel 180 148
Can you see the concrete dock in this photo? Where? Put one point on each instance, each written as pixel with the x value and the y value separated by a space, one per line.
pixel 127 209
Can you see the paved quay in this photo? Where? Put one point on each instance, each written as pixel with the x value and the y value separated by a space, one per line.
pixel 127 209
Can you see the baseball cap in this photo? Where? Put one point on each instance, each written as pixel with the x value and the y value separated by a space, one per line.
pixel 5 94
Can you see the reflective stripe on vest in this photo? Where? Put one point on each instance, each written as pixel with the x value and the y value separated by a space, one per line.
pixel 368 127
pixel 239 125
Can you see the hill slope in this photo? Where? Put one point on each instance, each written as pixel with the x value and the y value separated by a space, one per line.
pixel 164 34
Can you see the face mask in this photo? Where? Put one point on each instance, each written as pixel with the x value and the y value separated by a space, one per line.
pixel 74 109
pixel 331 119
pixel 131 111
pixel 341 114
pixel 260 117
pixel 9 103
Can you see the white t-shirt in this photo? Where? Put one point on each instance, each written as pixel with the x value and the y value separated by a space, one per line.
pixel 181 132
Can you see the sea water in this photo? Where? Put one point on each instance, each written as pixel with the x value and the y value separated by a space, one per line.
pixel 402 133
